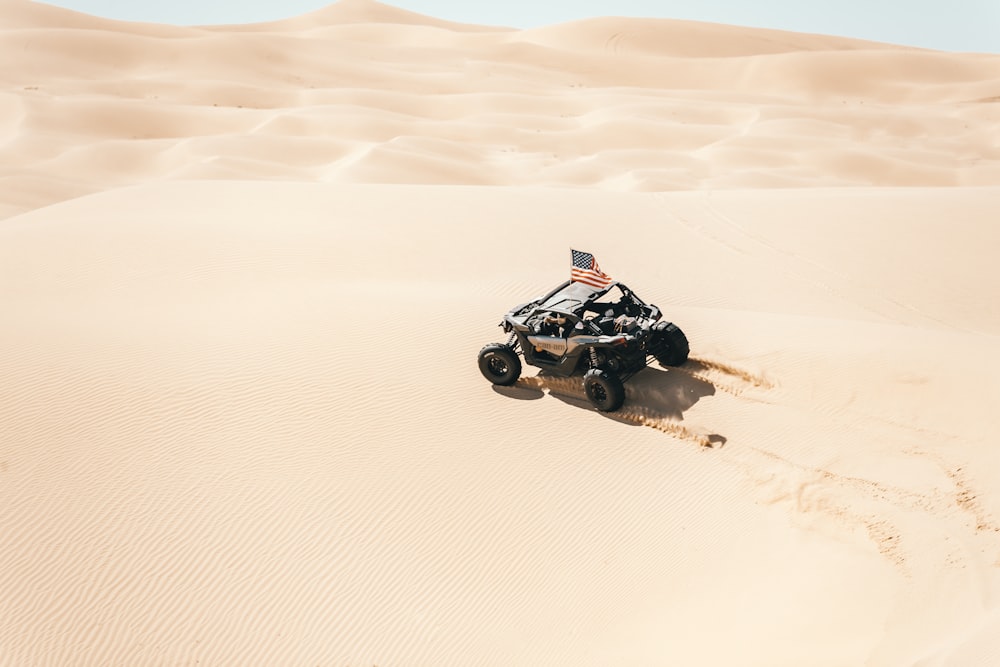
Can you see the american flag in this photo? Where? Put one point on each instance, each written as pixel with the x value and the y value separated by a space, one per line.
pixel 585 270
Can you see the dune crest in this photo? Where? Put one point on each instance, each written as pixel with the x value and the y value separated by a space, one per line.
pixel 677 38
pixel 352 12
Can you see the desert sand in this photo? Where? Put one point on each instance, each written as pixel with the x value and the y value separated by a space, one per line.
pixel 245 272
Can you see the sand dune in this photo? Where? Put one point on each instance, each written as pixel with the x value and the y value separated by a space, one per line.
pixel 694 106
pixel 246 270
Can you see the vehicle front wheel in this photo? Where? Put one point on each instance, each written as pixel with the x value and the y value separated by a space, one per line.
pixel 499 364
pixel 604 390
pixel 673 344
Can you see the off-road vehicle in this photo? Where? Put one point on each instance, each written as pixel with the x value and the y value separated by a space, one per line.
pixel 607 334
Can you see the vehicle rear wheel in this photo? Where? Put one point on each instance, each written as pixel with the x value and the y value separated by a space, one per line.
pixel 604 390
pixel 499 364
pixel 673 344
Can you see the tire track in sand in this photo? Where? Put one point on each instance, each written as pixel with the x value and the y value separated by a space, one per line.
pixel 716 374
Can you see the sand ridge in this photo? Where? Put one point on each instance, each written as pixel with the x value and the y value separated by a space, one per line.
pixel 246 270
pixel 364 92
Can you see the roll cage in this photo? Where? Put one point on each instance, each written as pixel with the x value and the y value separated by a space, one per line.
pixel 582 303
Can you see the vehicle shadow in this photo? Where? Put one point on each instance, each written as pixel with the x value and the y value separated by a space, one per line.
pixel 524 390
pixel 667 393
pixel 653 397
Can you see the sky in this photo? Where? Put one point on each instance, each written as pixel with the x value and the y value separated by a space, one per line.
pixel 948 25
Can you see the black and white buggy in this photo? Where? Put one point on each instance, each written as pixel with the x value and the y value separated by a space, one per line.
pixel 607 334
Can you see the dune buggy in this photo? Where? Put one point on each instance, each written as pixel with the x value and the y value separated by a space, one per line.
pixel 607 334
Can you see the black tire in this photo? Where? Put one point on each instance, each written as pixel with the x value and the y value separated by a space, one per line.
pixel 604 390
pixel 673 344
pixel 499 364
